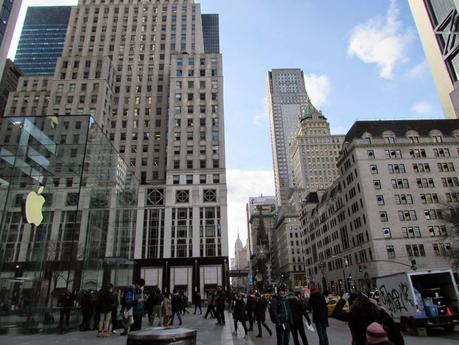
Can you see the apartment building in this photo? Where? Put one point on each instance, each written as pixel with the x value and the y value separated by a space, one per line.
pixel 388 205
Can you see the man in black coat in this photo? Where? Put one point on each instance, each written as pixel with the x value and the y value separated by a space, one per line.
pixel 260 313
pixel 362 313
pixel 281 316
pixel 65 302
pixel 250 309
pixel 298 311
pixel 318 305
pixel 197 303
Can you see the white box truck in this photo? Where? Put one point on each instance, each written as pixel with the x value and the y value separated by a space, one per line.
pixel 424 299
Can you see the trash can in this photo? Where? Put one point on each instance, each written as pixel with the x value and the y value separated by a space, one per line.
pixel 163 336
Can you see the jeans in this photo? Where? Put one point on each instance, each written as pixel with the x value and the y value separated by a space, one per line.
pixel 178 316
pixel 196 306
pixel 64 318
pixel 210 310
pixel 299 328
pixel 137 325
pixel 221 313
pixel 322 333
pixel 155 312
pixel 282 333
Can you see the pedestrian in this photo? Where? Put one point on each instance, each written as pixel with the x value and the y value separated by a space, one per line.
pixel 376 335
pixel 362 313
pixel 298 309
pixel 116 297
pixel 84 300
pixel 157 301
pixel 239 314
pixel 176 308
pixel 260 313
pixel 251 309
pixel 105 303
pixel 149 306
pixel 197 303
pixel 318 305
pixel 183 303
pixel 65 302
pixel 126 302
pixel 138 307
pixel 220 306
pixel 210 304
pixel 166 309
pixel 281 315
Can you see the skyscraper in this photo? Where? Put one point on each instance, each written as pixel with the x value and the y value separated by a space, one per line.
pixel 314 151
pixel 42 39
pixel 9 11
pixel 141 70
pixel 287 100
pixel 437 23
pixel 210 29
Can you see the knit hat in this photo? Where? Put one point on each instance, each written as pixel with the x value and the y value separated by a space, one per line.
pixel 376 334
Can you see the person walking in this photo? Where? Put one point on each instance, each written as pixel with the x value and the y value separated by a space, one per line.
pixel 281 316
pixel 220 306
pixel 210 305
pixel 183 303
pixel 86 309
pixel 318 305
pixel 176 308
pixel 116 297
pixel 138 305
pixel 105 303
pixel 65 302
pixel 166 309
pixel 239 314
pixel 363 312
pixel 197 303
pixel 260 313
pixel 251 309
pixel 298 312
pixel 157 301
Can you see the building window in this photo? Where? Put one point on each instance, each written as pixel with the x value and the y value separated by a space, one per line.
pixel 387 233
pixel 380 199
pixel 383 216
pixel 390 252
pixel 374 169
pixel 176 179
pixel 210 195
pixel 182 196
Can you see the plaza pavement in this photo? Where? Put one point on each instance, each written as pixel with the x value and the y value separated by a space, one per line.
pixel 211 334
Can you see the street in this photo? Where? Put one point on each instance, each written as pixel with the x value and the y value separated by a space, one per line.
pixel 211 334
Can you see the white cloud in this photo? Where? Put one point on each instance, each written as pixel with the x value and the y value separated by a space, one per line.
pixel 422 108
pixel 262 116
pixel 381 41
pixel 318 87
pixel 243 184
pixel 419 71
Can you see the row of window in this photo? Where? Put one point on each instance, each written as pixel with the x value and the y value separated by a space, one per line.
pixel 183 196
pixel 410 215
pixel 190 180
pixel 417 250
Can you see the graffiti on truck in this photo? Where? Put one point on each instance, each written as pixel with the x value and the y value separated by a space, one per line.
pixel 396 300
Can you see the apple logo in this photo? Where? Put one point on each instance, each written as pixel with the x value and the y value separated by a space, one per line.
pixel 33 207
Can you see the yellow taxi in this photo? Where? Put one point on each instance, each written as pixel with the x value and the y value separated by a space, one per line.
pixel 332 302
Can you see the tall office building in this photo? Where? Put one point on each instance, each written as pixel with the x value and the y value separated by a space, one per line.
pixel 9 11
pixel 42 39
pixel 141 70
pixel 8 83
pixel 287 100
pixel 314 151
pixel 437 22
pixel 210 30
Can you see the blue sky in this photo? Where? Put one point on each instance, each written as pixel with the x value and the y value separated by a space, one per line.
pixel 362 60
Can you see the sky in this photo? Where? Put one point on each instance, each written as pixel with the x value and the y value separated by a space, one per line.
pixel 361 59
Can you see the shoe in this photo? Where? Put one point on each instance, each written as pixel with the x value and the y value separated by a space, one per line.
pixel 270 332
pixel 180 324
pixel 258 336
pixel 218 323
pixel 100 334
pixel 246 336
pixel 123 333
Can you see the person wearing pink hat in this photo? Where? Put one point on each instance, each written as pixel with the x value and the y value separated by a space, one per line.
pixel 376 335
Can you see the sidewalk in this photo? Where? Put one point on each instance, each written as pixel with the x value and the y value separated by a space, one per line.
pixel 208 333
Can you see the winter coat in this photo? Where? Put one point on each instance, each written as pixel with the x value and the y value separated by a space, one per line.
pixel 251 303
pixel 220 299
pixel 318 305
pixel 280 312
pixel 197 299
pixel 239 311
pixel 66 300
pixel 298 310
pixel 361 316
pixel 260 308
pixel 176 303
pixel 157 298
pixel 106 301
pixel 166 308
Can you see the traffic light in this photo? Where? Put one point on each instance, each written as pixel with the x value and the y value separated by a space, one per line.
pixel 413 265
